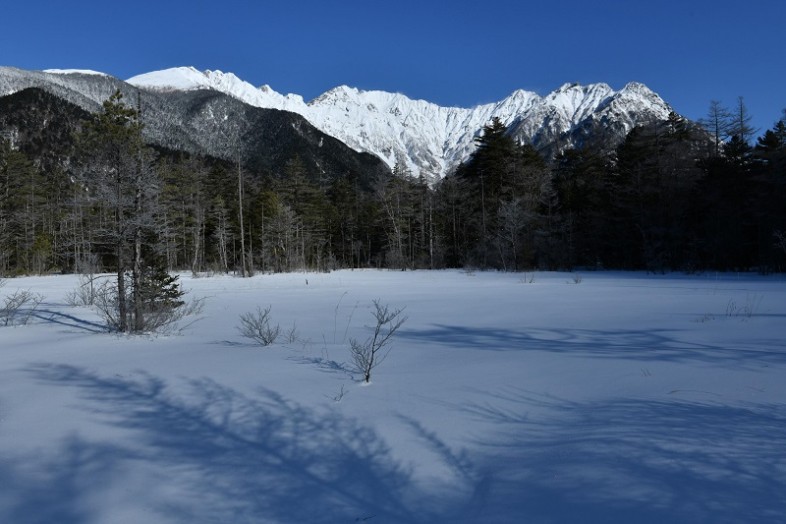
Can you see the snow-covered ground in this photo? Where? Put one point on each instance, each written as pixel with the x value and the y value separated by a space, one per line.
pixel 605 398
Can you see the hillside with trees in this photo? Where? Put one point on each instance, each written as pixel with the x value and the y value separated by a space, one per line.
pixel 84 192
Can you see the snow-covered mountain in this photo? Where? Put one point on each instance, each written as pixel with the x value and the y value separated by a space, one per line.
pixel 429 139
pixel 421 136
pixel 191 119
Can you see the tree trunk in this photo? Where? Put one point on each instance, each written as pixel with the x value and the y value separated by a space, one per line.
pixel 122 311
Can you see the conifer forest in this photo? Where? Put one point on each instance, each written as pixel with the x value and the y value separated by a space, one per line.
pixel 673 196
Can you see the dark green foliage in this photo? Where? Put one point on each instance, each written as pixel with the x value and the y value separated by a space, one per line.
pixel 584 185
pixel 28 214
pixel 159 289
pixel 40 125
pixel 657 177
pixel 669 198
pixel 497 206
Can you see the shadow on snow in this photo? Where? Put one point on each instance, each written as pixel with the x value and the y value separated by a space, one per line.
pixel 649 345
pixel 230 457
pixel 235 458
pixel 644 461
pixel 56 317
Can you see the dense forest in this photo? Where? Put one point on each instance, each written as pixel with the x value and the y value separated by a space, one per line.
pixel 674 196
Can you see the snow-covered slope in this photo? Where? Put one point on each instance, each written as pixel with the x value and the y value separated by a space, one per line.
pixel 84 88
pixel 74 72
pixel 424 137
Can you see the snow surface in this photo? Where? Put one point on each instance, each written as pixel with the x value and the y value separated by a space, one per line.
pixel 426 138
pixel 621 398
pixel 74 72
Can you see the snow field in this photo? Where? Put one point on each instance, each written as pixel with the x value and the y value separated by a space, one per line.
pixel 622 398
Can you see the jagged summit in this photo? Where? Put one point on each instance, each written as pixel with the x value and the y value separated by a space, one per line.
pixel 422 137
pixel 426 138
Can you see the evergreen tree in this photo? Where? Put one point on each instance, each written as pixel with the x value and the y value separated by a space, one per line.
pixel 657 177
pixel 20 206
pixel 497 202
pixel 121 185
pixel 589 225
pixel 773 139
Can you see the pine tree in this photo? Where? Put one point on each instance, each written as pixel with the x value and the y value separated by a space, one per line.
pixel 121 185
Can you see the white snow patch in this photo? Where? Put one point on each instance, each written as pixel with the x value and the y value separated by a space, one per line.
pixel 625 398
pixel 74 72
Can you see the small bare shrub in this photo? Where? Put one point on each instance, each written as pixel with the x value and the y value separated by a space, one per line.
pixel 292 335
pixel 85 293
pixel 349 319
pixel 19 307
pixel 256 326
pixel 744 310
pixel 370 353
pixel 338 397
pixel 707 317
pixel 166 318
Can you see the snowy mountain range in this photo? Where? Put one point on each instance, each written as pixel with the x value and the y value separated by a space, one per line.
pixel 429 139
pixel 39 110
pixel 420 136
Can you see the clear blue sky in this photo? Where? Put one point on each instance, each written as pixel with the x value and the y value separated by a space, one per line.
pixel 449 52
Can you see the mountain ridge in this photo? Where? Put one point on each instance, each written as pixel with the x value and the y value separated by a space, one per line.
pixel 203 122
pixel 426 138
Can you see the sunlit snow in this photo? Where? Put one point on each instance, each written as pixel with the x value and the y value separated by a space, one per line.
pixel 423 137
pixel 506 398
pixel 74 72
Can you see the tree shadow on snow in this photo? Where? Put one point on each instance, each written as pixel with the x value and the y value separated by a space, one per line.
pixel 649 345
pixel 233 458
pixel 63 319
pixel 643 461
pixel 38 490
pixel 222 456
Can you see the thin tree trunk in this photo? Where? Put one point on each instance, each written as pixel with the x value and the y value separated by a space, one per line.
pixel 240 211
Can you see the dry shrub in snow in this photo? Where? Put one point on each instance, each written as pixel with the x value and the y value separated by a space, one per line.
pixel 256 326
pixel 370 353
pixel 19 307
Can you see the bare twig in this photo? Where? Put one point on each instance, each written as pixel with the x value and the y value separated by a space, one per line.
pixel 369 354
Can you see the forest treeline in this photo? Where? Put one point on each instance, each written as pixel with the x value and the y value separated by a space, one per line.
pixel 674 196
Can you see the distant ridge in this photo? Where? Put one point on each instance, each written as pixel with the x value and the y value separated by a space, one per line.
pixel 424 138
pixel 429 139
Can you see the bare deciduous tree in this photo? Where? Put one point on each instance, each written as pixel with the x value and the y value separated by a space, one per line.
pixel 717 123
pixel 369 354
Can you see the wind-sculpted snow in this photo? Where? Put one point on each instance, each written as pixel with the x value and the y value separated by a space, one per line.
pixel 428 139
